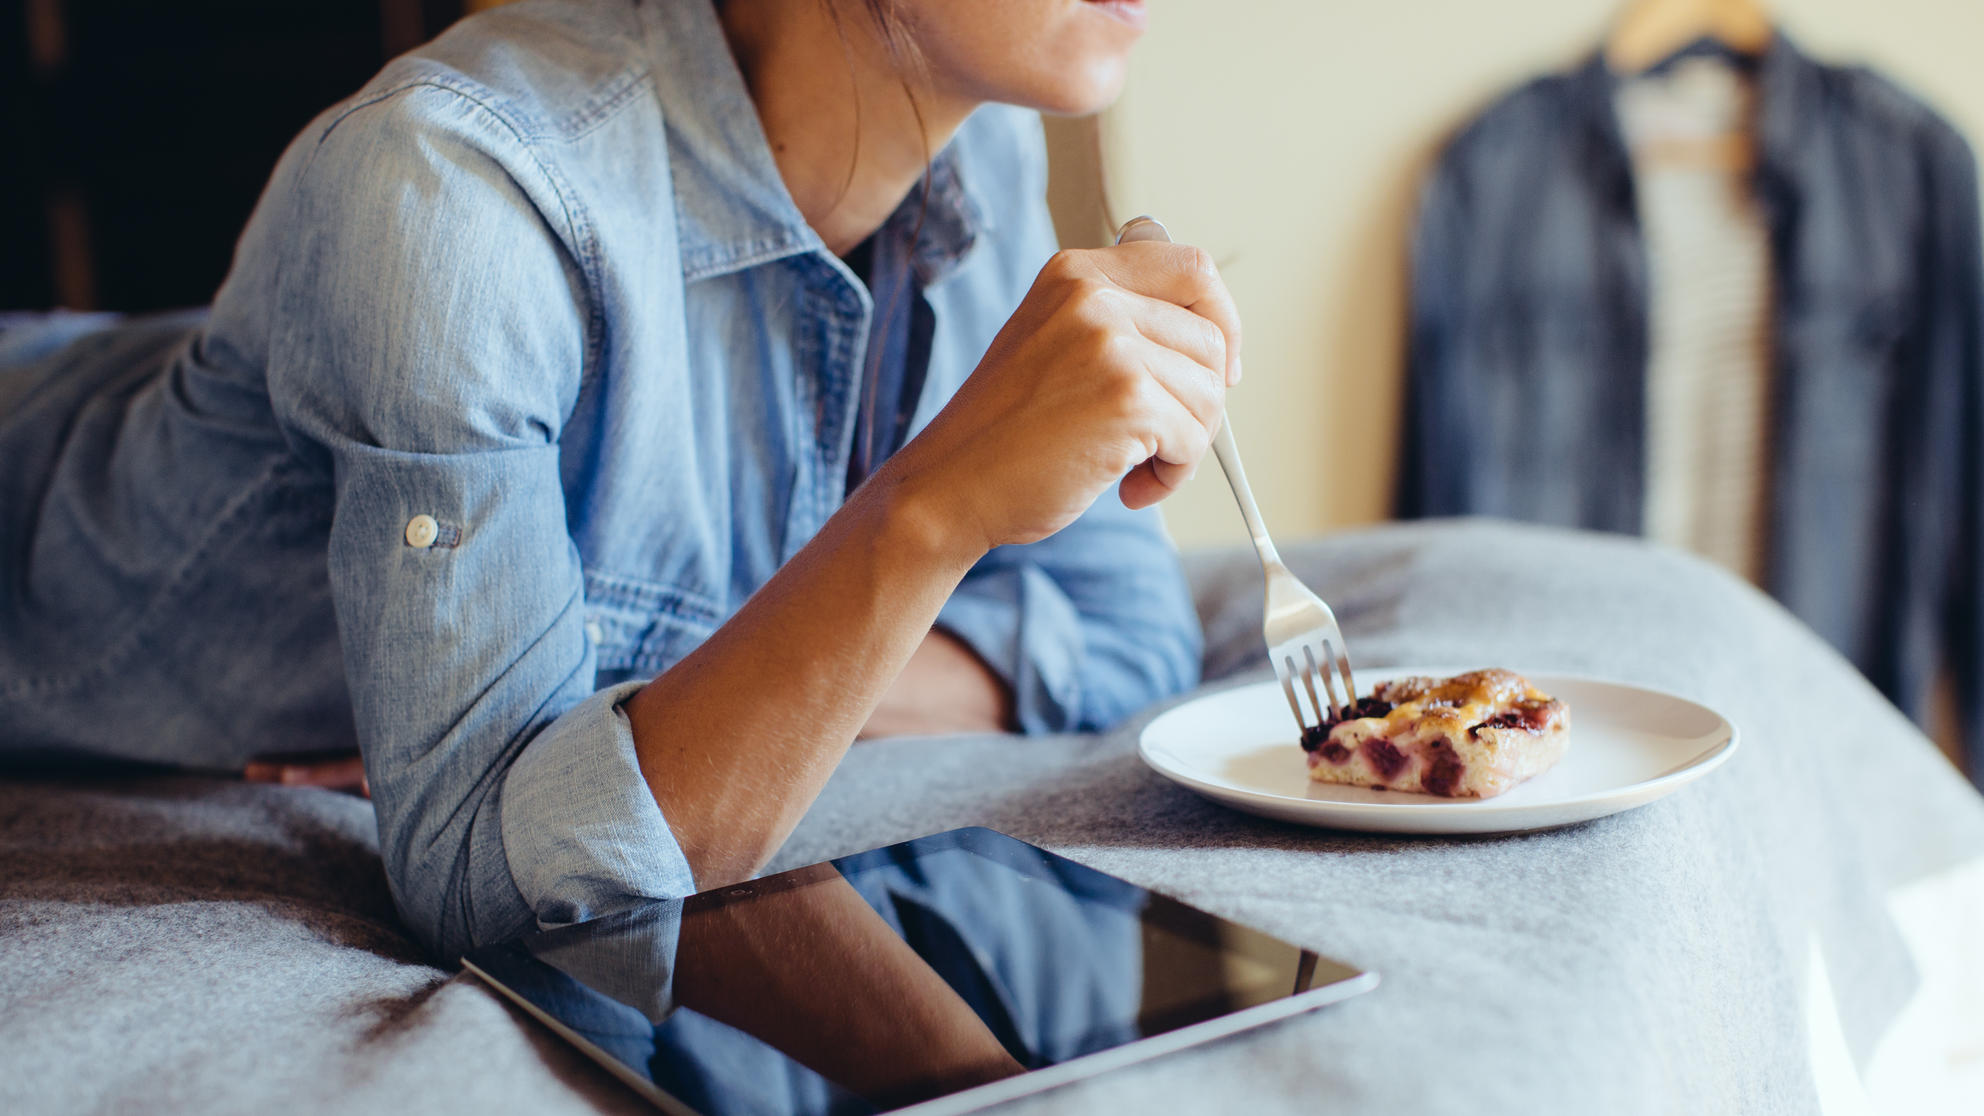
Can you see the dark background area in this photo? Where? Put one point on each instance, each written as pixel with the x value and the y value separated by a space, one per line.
pixel 137 134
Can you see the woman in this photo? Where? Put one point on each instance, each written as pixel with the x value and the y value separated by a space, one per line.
pixel 539 444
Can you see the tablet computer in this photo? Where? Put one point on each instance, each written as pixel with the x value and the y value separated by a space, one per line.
pixel 939 975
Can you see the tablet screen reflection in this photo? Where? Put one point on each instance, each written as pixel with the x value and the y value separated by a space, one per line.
pixel 889 978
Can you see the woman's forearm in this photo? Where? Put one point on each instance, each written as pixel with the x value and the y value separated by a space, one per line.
pixel 737 739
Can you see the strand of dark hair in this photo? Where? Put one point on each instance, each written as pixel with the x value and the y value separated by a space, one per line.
pixel 909 60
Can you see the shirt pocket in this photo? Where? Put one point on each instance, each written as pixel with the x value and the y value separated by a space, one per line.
pixel 642 627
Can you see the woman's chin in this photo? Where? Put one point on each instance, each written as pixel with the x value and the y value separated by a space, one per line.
pixel 1078 91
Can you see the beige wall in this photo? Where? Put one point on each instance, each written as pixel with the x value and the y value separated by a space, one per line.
pixel 1286 136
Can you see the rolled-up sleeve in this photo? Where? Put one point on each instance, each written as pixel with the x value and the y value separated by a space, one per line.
pixel 436 335
pixel 580 829
pixel 1085 627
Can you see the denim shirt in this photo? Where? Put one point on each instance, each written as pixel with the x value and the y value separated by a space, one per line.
pixel 1529 345
pixel 527 373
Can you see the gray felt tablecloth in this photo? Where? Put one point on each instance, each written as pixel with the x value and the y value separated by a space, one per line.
pixel 185 943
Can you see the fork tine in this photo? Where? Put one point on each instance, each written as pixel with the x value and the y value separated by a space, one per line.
pixel 1295 671
pixel 1337 708
pixel 1309 682
pixel 1288 687
pixel 1343 664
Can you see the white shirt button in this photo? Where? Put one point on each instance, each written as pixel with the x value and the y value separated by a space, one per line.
pixel 594 633
pixel 421 531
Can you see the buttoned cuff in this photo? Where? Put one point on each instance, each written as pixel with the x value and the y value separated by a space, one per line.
pixel 581 830
pixel 1018 621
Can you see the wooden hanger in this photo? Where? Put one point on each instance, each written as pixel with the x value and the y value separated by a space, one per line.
pixel 1648 32
pixel 1735 152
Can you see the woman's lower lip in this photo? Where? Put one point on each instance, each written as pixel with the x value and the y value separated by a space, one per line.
pixel 1132 12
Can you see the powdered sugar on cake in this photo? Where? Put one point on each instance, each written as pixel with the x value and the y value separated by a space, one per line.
pixel 1473 735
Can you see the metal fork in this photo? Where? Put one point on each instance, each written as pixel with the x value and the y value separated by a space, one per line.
pixel 1303 639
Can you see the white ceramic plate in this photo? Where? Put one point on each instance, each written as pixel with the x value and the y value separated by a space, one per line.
pixel 1629 746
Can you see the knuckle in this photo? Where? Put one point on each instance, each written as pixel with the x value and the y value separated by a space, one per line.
pixel 1201 440
pixel 1065 263
pixel 1123 384
pixel 1119 357
pixel 1199 263
pixel 1213 342
pixel 1089 299
pixel 1103 347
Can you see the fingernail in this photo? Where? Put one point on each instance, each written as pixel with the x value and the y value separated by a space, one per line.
pixel 1237 371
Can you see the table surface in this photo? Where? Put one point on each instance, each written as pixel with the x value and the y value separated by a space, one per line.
pixel 184 942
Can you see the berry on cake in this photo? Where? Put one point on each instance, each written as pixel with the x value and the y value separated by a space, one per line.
pixel 1473 735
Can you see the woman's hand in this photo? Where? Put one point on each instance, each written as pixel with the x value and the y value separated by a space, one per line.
pixel 338 771
pixel 1114 367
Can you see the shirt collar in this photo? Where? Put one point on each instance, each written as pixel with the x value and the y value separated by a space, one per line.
pixel 1787 100
pixel 732 210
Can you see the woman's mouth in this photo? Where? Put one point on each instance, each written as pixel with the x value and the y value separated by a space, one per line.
pixel 1132 12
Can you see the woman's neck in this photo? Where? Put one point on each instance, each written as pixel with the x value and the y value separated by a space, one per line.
pixel 835 106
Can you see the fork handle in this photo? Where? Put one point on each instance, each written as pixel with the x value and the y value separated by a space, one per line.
pixel 1224 448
